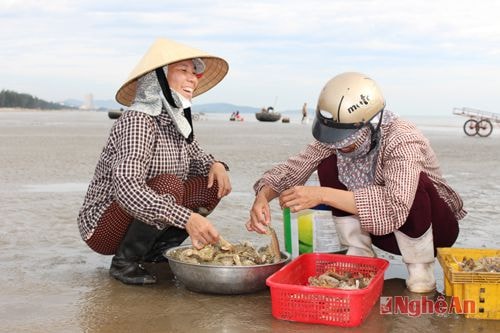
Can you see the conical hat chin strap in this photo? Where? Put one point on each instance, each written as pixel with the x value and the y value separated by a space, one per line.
pixel 165 88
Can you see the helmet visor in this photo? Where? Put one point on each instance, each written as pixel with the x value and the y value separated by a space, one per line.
pixel 329 131
pixel 327 134
pixel 325 130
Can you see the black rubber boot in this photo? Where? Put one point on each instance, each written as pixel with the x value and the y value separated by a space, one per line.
pixel 170 237
pixel 126 264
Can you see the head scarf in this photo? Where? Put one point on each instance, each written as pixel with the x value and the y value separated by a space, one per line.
pixel 357 168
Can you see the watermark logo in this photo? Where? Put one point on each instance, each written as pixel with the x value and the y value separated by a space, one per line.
pixel 415 307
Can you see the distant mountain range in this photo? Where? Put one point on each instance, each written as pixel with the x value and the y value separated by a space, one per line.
pixel 206 108
pixel 99 104
pixel 223 108
pixel 13 99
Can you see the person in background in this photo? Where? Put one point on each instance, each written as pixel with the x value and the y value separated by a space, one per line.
pixel 304 114
pixel 154 185
pixel 379 175
pixel 238 116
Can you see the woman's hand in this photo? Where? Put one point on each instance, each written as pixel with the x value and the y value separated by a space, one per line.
pixel 218 173
pixel 201 231
pixel 260 214
pixel 298 198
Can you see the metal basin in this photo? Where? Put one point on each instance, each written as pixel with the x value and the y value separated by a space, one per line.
pixel 214 279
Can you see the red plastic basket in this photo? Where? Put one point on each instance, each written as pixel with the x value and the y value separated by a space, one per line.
pixel 293 300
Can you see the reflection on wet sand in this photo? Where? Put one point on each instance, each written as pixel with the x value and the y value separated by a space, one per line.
pixel 169 307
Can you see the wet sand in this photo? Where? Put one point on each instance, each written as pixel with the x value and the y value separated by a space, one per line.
pixel 52 282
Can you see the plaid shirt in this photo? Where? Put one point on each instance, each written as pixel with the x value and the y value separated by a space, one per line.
pixel 385 205
pixel 139 148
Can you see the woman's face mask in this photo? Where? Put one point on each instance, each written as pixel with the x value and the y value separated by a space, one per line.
pixel 352 142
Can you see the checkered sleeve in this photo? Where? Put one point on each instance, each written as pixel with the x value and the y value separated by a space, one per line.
pixel 134 142
pixel 200 161
pixel 294 171
pixel 384 208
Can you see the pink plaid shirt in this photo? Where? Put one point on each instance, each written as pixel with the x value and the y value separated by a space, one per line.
pixel 385 205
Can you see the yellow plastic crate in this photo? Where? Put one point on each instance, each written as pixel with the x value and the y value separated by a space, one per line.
pixel 481 287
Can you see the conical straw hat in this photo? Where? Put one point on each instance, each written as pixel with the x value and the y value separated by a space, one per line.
pixel 164 52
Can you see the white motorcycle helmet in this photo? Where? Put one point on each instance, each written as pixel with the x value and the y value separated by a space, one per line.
pixel 347 103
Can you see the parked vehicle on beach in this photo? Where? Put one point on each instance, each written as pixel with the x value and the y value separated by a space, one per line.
pixel 480 122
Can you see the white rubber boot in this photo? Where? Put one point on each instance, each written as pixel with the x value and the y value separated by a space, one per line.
pixel 357 241
pixel 418 255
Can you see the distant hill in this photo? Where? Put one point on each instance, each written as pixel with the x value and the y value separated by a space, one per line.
pixel 230 108
pixel 107 104
pixel 206 108
pixel 12 99
pixel 223 108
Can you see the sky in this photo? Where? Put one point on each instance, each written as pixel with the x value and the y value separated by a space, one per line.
pixel 427 56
